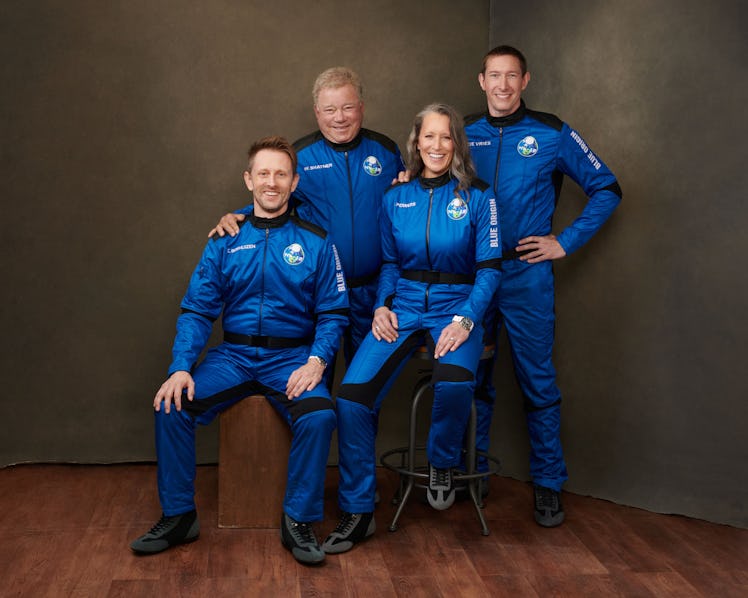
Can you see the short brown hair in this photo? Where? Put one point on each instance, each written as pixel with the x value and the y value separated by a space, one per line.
pixel 506 51
pixel 275 143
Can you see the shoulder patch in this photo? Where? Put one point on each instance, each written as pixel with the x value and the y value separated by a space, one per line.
pixel 305 224
pixel 307 140
pixel 549 120
pixel 381 139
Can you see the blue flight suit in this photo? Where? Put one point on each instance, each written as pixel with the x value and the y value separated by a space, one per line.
pixel 524 156
pixel 280 290
pixel 442 257
pixel 340 189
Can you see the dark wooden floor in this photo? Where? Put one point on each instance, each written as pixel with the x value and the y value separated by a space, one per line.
pixel 65 532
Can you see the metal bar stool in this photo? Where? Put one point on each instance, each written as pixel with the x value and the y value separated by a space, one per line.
pixel 403 459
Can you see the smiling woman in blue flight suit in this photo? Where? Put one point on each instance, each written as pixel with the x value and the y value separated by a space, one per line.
pixel 441 248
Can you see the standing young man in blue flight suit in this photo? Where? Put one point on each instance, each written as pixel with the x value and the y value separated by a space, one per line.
pixel 344 170
pixel 279 287
pixel 524 155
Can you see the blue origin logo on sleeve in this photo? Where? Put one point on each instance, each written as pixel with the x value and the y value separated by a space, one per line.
pixel 528 147
pixel 457 209
pixel 372 167
pixel 493 230
pixel 339 278
pixel 587 151
pixel 293 255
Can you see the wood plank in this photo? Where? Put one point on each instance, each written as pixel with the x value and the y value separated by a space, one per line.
pixel 66 531
pixel 253 464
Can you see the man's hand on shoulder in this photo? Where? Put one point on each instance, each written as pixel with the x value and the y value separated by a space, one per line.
pixel 402 177
pixel 227 224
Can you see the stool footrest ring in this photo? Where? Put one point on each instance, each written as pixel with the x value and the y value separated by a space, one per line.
pixel 412 475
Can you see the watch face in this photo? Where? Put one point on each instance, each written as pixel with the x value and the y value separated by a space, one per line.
pixel 319 360
pixel 464 321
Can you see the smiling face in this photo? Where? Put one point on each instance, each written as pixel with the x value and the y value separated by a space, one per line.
pixel 435 145
pixel 271 181
pixel 503 82
pixel 339 113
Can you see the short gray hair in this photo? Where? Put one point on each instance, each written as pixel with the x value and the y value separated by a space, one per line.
pixel 335 77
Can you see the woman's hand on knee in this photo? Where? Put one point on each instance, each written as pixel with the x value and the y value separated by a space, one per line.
pixel 384 326
pixel 450 339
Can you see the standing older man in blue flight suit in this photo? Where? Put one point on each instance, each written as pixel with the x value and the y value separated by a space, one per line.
pixel 524 155
pixel 280 289
pixel 344 170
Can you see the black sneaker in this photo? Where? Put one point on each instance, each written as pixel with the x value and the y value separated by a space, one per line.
pixel 168 532
pixel 351 529
pixel 441 491
pixel 299 538
pixel 548 509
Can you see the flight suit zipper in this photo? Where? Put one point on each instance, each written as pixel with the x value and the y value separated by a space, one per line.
pixel 498 162
pixel 264 260
pixel 350 201
pixel 428 252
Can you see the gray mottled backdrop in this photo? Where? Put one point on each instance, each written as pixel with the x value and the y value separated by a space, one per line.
pixel 124 128
pixel 652 315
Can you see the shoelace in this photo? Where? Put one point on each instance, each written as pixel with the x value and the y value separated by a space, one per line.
pixel 546 499
pixel 346 523
pixel 162 523
pixel 440 477
pixel 304 531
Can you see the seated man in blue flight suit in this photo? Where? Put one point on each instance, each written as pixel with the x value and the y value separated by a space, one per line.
pixel 281 292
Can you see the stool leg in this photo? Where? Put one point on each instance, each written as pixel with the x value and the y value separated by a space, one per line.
pixel 419 391
pixel 474 483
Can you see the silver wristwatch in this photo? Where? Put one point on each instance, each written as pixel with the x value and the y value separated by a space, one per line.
pixel 319 360
pixel 465 322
